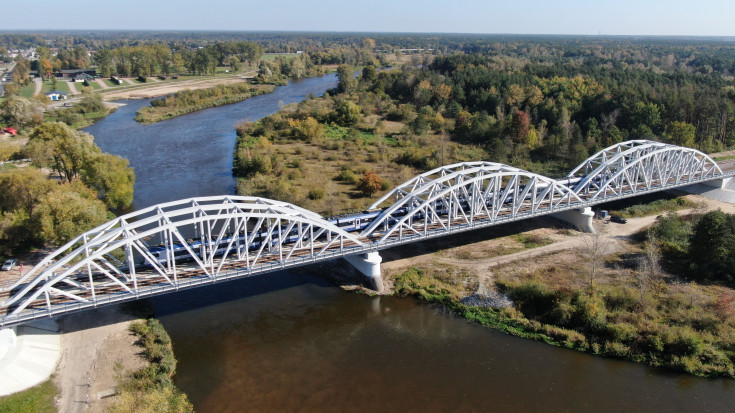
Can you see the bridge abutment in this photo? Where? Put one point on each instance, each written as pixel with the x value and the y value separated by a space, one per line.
pixel 718 189
pixel 718 183
pixel 8 338
pixel 580 218
pixel 369 266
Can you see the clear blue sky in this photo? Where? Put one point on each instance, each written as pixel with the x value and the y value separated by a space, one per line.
pixel 588 17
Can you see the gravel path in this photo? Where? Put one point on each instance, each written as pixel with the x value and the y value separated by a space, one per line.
pixel 84 335
pixel 39 86
pixel 72 88
pixel 102 83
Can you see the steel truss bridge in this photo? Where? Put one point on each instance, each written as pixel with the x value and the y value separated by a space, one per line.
pixel 200 241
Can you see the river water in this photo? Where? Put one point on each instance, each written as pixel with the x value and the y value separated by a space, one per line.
pixel 292 342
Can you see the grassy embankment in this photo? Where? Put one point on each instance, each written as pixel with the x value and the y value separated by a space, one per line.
pixel 151 388
pixel 38 399
pixel 188 101
pixel 622 312
pixel 652 204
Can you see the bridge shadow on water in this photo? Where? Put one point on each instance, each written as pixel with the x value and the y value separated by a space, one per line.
pixel 200 297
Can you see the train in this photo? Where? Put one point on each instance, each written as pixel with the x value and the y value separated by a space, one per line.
pixel 348 223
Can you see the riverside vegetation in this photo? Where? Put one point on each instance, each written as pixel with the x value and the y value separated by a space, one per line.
pixel 682 319
pixel 188 101
pixel 543 116
pixel 151 388
pixel 545 111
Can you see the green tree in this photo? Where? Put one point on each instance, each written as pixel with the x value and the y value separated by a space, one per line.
pixel 18 111
pixel 103 59
pixel 707 242
pixel 69 150
pixel 369 74
pixel 347 113
pixel 69 211
pixel 347 82
pixel 680 133
pixel 111 176
pixel 22 188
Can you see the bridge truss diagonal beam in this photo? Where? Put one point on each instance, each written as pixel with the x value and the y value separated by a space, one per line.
pixel 477 193
pixel 199 241
pixel 199 238
pixel 639 166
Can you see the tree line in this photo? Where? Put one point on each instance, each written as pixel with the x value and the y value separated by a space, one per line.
pixel 524 111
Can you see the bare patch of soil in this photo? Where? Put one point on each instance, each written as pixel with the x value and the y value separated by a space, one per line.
pixel 96 348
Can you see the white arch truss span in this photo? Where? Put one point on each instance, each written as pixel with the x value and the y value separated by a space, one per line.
pixel 175 245
pixel 199 241
pixel 466 195
pixel 635 166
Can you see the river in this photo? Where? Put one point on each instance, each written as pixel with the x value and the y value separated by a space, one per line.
pixel 292 342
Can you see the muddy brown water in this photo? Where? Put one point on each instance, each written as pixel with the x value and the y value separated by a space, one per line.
pixel 290 342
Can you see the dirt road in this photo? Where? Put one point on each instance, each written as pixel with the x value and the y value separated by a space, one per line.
pixel 93 342
pixel 614 235
pixel 162 89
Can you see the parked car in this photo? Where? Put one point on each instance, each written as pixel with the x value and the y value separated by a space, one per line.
pixel 618 219
pixel 9 264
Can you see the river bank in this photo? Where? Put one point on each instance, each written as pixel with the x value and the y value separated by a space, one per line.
pixel 188 101
pixel 547 294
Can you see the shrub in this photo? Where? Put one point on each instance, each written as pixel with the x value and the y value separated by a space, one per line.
pixel 369 183
pixel 621 299
pixel 348 177
pixel 534 299
pixel 621 332
pixel 682 341
pixel 590 313
pixel 317 193
pixel 616 349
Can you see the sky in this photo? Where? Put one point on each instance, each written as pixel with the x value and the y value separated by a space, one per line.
pixel 582 17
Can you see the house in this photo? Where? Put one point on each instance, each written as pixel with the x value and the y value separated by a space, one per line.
pixel 56 95
pixel 69 73
pixel 82 77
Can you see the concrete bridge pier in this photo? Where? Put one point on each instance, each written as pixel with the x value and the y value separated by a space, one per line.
pixel 369 266
pixel 719 189
pixel 718 183
pixel 580 218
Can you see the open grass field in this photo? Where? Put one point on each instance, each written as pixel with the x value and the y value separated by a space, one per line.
pixel 94 85
pixel 110 83
pixel 27 91
pixel 39 399
pixel 61 86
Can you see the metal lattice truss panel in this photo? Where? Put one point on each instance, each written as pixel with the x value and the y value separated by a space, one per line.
pixel 204 240
pixel 469 195
pixel 636 166
pixel 197 240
